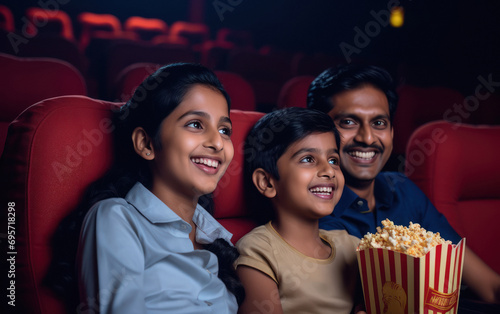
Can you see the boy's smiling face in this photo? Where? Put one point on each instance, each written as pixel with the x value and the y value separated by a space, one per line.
pixel 311 182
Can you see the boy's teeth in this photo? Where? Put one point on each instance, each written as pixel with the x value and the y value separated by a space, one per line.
pixel 206 161
pixel 364 155
pixel 325 189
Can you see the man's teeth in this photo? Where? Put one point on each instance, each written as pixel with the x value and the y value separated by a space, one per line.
pixel 363 155
pixel 322 190
pixel 206 162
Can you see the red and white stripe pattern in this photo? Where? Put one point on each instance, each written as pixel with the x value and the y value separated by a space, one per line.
pixel 431 283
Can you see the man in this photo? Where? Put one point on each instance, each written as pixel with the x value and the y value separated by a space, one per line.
pixel 362 100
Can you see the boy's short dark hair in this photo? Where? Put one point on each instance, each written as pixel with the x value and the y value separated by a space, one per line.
pixel 342 78
pixel 267 142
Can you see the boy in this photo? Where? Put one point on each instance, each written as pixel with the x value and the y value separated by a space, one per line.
pixel 289 265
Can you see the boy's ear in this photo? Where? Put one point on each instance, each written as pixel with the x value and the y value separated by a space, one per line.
pixel 143 145
pixel 264 182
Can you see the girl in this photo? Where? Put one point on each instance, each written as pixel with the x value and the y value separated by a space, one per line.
pixel 143 244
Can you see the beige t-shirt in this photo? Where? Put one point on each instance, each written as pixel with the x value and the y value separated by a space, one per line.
pixel 305 284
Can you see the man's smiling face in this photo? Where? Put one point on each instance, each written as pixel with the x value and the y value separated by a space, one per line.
pixel 363 120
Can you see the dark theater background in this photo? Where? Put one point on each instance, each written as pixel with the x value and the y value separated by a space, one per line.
pixel 444 57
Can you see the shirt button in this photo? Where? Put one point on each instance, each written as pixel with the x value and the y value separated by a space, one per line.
pixel 208 271
pixel 208 303
pixel 360 203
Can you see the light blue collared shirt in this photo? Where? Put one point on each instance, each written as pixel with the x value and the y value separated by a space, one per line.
pixel 135 256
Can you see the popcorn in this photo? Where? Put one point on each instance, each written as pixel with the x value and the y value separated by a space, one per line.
pixel 412 240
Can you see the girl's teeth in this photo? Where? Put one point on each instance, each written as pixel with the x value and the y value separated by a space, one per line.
pixel 205 161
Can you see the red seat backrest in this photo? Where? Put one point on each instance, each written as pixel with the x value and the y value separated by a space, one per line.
pixel 119 55
pixel 93 23
pixel 146 28
pixel 6 19
pixel 25 81
pixel 58 146
pixel 457 168
pixel 196 33
pixel 230 206
pixel 54 150
pixel 131 77
pixel 239 89
pixel 418 105
pixel 54 21
pixel 294 92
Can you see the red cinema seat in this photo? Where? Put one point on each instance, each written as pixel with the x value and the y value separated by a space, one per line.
pixel 131 77
pixel 487 110
pixel 239 38
pixel 419 105
pixel 196 33
pixel 98 25
pixel 53 46
pixel 229 197
pixel 145 28
pixel 25 81
pixel 214 54
pixel 239 89
pixel 6 19
pixel 294 92
pixel 266 74
pixel 55 149
pixel 313 64
pixel 122 54
pixel 58 146
pixel 49 21
pixel 457 168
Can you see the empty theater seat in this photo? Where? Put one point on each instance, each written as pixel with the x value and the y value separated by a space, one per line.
pixel 457 168
pixel 25 81
pixel 145 28
pixel 6 19
pixel 59 146
pixel 418 105
pixel 131 77
pixel 239 90
pixel 229 197
pixel 97 25
pixel 294 92
pixel 196 33
pixel 51 21
pixel 122 54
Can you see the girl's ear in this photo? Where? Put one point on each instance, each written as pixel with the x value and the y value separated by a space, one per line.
pixel 143 145
pixel 264 182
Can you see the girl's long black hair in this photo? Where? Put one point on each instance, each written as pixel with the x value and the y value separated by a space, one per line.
pixel 157 96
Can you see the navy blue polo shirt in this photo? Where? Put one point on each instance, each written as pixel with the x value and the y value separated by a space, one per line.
pixel 396 198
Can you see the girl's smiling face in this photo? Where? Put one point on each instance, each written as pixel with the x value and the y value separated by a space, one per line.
pixel 196 147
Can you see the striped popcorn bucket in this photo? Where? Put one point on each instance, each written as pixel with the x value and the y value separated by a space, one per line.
pixel 396 283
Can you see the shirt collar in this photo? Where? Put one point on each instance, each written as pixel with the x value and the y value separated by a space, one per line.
pixel 154 210
pixel 348 197
pixel 383 195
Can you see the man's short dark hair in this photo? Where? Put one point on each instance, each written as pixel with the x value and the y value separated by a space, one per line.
pixel 342 78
